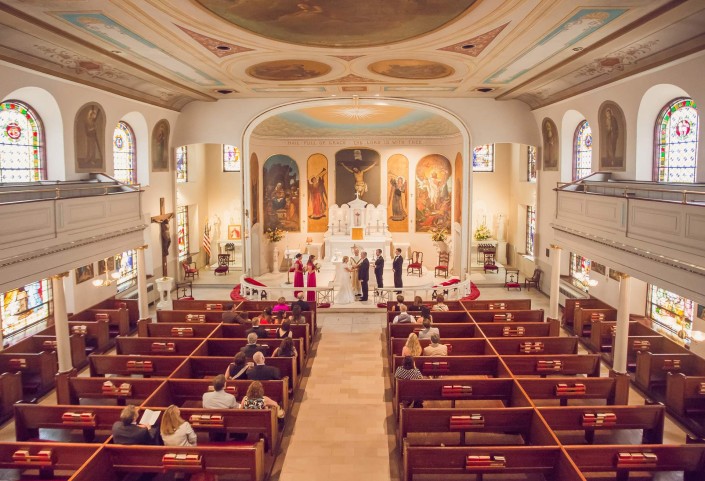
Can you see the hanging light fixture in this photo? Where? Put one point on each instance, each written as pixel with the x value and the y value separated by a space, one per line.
pixel 108 280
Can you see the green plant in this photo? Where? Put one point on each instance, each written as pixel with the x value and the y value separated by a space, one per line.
pixel 482 233
pixel 274 235
pixel 439 234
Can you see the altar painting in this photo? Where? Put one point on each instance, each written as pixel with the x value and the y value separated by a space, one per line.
pixel 458 194
pixel 398 193
pixel 433 193
pixel 317 183
pixel 254 189
pixel 280 178
pixel 357 171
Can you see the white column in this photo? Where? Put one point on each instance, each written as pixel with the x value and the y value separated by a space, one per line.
pixel 553 309
pixel 61 323
pixel 142 301
pixel 621 341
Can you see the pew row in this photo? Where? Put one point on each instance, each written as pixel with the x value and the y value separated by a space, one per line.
pixel 512 315
pixel 553 364
pixel 497 304
pixel 572 304
pixel 64 460
pixel 97 334
pixel 37 368
pixel 133 364
pixel 39 343
pixel 613 390
pixel 71 389
pixel 10 393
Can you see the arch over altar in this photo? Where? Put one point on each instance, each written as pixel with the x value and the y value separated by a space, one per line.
pixel 360 224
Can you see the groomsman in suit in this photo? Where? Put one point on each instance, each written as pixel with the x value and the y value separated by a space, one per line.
pixel 363 274
pixel 379 267
pixel 397 264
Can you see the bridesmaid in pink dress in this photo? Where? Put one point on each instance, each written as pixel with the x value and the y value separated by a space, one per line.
pixel 298 274
pixel 311 278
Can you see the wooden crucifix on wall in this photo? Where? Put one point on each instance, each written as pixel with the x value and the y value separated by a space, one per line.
pixel 163 220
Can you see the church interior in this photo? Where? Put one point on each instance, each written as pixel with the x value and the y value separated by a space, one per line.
pixel 529 171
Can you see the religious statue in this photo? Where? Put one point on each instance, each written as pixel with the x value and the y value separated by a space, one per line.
pixel 359 175
pixel 163 220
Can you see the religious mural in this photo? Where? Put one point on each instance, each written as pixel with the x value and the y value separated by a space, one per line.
pixel 411 69
pixel 280 180
pixel 254 189
pixel 613 137
pixel 433 193
pixel 398 193
pixel 357 171
pixel 283 70
pixel 160 146
pixel 89 138
pixel 317 175
pixel 458 194
pixel 550 145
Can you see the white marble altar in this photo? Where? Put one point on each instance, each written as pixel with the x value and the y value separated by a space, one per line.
pixel 361 215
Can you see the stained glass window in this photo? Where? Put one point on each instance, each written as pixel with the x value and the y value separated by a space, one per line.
pixel 126 264
pixel 531 164
pixel 483 158
pixel 530 229
pixel 231 158
pixel 182 164
pixel 670 312
pixel 182 231
pixel 26 310
pixel 125 166
pixel 21 144
pixel 677 149
pixel 580 271
pixel 582 156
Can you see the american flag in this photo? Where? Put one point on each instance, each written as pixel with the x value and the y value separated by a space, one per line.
pixel 207 242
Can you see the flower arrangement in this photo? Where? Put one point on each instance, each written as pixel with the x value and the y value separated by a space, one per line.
pixel 274 235
pixel 439 234
pixel 482 233
pixel 317 266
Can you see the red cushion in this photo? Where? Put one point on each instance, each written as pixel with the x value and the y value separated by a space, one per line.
pixel 324 305
pixel 221 269
pixel 415 264
pixel 382 304
pixel 512 284
pixel 235 293
pixel 254 282
pixel 187 298
pixel 442 268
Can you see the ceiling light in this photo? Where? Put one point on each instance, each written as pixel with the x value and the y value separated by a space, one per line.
pixel 225 91
pixel 117 52
pixel 577 49
pixel 224 48
pixel 468 46
pixel 484 90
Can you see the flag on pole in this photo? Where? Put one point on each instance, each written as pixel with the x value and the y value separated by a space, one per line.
pixel 207 243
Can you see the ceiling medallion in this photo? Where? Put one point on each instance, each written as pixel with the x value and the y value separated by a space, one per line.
pixel 411 69
pixel 288 70
pixel 356 112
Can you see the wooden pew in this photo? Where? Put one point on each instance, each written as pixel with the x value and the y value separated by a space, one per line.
pixel 455 366
pixel 147 328
pixel 230 347
pixel 452 305
pixel 456 330
pixel 571 304
pixel 650 419
pixel 613 389
pixel 562 365
pixel 40 343
pixel 131 305
pixel 497 304
pixel 534 345
pixel 202 305
pixel 461 347
pixel 524 315
pixel 689 459
pixel 118 319
pixel 10 393
pixel 685 394
pixel 66 458
pixel 183 316
pixel 71 389
pixel 298 331
pixel 37 369
pixel 161 366
pixel 646 339
pixel 30 418
pixel 161 346
pixel 583 317
pixel 602 332
pixel 520 329
pixel 97 334
pixel 651 368
pixel 439 317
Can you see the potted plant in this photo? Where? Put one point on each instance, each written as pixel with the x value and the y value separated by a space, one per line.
pixel 274 235
pixel 439 235
pixel 482 233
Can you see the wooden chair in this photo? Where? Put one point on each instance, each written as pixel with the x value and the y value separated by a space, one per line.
pixel 223 264
pixel 184 290
pixel 442 267
pixel 490 263
pixel 535 279
pixel 416 263
pixel 190 269
pixel 511 279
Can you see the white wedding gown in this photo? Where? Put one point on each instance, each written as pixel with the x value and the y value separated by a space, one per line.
pixel 344 282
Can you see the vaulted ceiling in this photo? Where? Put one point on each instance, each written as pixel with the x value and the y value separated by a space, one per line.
pixel 172 52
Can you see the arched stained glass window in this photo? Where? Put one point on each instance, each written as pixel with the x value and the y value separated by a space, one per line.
pixel 231 158
pixel 677 138
pixel 125 166
pixel 582 155
pixel 21 143
pixel 182 164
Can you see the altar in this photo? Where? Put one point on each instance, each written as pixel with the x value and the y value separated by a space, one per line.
pixel 360 224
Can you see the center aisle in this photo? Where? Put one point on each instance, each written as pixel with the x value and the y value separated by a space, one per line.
pixel 340 427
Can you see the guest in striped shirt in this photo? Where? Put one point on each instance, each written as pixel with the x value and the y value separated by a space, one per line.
pixel 408 370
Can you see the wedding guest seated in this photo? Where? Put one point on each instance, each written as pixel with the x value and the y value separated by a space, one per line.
pixel 231 316
pixel 127 431
pixel 408 370
pixel 252 347
pixel 239 367
pixel 255 398
pixel 435 348
pixel 284 330
pixel 174 430
pixel 266 316
pixel 400 302
pixel 425 314
pixel 261 372
pixel 412 346
pixel 403 317
pixel 257 329
pixel 286 349
pixel 296 317
pixel 428 331
pixel 301 303
pixel 281 305
pixel 218 398
pixel 417 305
pixel 440 304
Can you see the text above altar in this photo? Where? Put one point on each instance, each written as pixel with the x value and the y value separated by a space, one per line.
pixel 360 224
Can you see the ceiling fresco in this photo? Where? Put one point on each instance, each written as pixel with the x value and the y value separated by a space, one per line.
pixel 172 52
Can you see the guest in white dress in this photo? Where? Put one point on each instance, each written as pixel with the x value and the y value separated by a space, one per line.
pixel 344 281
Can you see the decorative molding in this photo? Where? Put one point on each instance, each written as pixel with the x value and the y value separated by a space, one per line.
pixel 480 42
pixel 211 44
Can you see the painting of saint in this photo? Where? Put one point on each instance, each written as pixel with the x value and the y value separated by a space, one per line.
pixel 89 138
pixel 317 173
pixel 433 193
pixel 398 193
pixel 280 178
pixel 84 273
pixel 613 137
pixel 357 173
pixel 458 194
pixel 550 144
pixel 254 189
pixel 160 146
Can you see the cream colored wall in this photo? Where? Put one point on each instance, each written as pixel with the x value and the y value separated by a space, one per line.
pixel 522 194
pixel 224 194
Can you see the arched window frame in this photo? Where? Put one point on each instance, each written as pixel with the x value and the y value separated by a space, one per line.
pixel 38 171
pixel 660 169
pixel 131 177
pixel 581 166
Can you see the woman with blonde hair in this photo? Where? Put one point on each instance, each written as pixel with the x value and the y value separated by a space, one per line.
pixel 255 398
pixel 174 430
pixel 412 346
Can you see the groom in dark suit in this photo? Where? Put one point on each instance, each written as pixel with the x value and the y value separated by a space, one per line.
pixel 363 274
pixel 379 267
pixel 397 264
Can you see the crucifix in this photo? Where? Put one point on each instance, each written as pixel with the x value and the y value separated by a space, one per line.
pixel 163 220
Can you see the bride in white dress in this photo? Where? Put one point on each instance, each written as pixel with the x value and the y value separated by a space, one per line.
pixel 344 281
